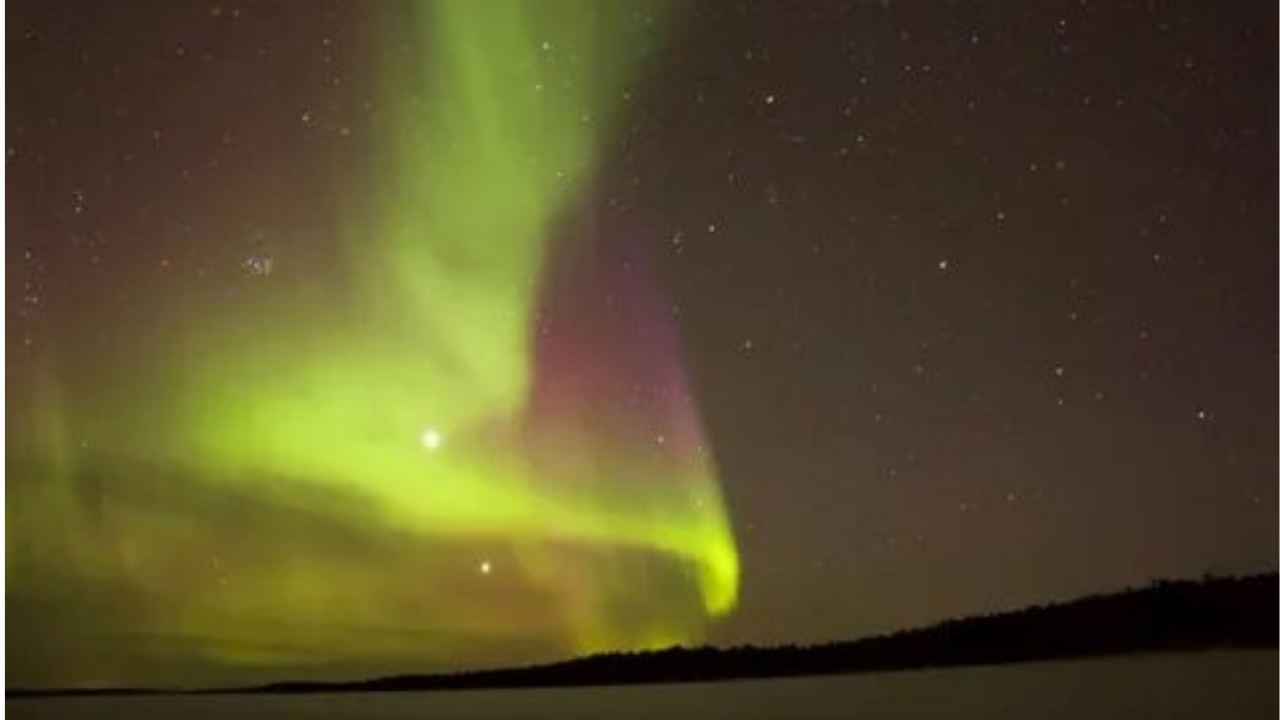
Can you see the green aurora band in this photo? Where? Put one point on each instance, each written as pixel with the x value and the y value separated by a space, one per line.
pixel 358 472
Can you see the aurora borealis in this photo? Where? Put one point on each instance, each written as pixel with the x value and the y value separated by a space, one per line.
pixel 519 490
pixel 348 339
pixel 489 146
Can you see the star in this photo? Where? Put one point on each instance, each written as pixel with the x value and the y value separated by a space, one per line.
pixel 431 439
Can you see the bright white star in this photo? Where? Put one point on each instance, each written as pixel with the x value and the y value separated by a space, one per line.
pixel 431 439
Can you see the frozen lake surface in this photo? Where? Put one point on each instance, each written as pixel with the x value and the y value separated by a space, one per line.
pixel 1235 684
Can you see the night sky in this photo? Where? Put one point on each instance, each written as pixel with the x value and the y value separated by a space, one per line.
pixel 353 338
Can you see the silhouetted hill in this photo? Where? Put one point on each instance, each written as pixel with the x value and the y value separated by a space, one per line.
pixel 1166 616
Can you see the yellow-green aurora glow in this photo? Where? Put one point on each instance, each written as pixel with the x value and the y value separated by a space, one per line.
pixel 403 469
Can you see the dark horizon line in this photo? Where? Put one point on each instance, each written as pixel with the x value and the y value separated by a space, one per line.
pixel 1212 612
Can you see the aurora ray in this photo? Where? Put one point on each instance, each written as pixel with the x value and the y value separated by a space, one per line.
pixel 440 452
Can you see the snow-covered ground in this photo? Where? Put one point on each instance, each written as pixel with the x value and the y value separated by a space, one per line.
pixel 1209 685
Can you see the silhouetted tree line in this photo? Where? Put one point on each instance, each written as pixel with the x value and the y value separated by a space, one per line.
pixel 1165 616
